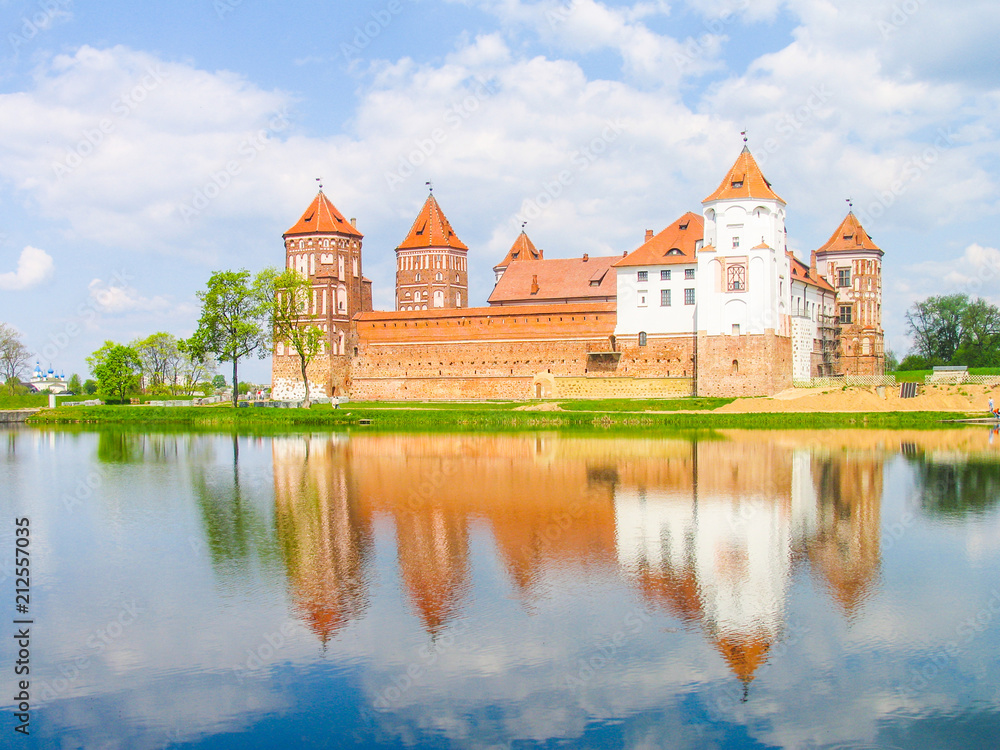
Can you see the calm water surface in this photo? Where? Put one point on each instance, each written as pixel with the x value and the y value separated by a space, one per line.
pixel 739 590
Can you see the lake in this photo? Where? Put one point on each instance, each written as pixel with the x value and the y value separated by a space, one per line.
pixel 732 589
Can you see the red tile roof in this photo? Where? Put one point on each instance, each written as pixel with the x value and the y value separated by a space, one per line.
pixel 849 237
pixel 675 244
pixel 802 272
pixel 557 280
pixel 431 229
pixel 322 217
pixel 522 249
pixel 744 180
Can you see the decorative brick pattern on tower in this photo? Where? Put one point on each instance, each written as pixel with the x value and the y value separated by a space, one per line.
pixel 852 263
pixel 324 247
pixel 432 264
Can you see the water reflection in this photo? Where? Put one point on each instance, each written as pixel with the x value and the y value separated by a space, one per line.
pixel 324 533
pixel 488 590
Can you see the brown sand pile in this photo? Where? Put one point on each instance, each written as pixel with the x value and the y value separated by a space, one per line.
pixel 972 399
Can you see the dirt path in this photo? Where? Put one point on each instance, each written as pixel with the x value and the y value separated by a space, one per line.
pixel 973 399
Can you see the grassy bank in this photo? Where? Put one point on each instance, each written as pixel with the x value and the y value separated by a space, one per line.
pixel 459 416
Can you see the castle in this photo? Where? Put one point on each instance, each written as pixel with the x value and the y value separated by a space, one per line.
pixel 713 305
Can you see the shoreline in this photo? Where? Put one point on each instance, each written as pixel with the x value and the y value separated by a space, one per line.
pixel 500 417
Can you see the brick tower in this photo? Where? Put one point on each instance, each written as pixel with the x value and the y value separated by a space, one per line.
pixel 431 264
pixel 324 247
pixel 852 263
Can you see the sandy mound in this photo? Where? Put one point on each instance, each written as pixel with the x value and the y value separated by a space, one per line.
pixel 973 399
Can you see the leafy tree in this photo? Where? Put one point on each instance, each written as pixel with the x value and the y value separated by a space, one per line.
pixel 936 326
pixel 118 371
pixel 161 360
pixel 292 294
pixel 980 345
pixel 953 330
pixel 13 356
pixel 194 366
pixel 90 387
pixel 219 381
pixel 74 383
pixel 234 319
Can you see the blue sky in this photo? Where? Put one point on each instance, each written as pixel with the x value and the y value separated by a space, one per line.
pixel 141 149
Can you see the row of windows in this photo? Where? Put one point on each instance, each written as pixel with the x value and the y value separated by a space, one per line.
pixel 437 277
pixel 664 275
pixel 665 297
pixel 438 299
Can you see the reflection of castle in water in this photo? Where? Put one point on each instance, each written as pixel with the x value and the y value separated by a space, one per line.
pixel 721 551
pixel 710 531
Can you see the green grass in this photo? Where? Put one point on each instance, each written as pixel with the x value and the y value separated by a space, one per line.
pixel 917 376
pixel 460 417
pixel 645 404
pixel 32 400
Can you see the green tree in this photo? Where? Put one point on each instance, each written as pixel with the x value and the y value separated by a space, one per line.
pixel 936 326
pixel 13 356
pixel 74 383
pixel 891 361
pixel 235 317
pixel 90 387
pixel 292 294
pixel 118 372
pixel 161 360
pixel 219 381
pixel 980 344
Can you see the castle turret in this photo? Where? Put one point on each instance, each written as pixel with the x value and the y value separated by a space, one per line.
pixel 325 248
pixel 431 263
pixel 852 263
pixel 522 249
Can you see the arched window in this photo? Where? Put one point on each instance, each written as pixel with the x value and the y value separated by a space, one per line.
pixel 438 298
pixel 642 338
pixel 736 367
pixel 416 276
pixel 439 276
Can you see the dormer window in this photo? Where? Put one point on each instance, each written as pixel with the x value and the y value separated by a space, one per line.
pixel 684 225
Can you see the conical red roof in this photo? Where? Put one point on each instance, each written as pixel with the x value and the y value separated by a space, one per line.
pixel 431 229
pixel 323 217
pixel 849 237
pixel 522 249
pixel 744 180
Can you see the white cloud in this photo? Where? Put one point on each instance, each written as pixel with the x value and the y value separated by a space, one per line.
pixel 115 299
pixel 33 267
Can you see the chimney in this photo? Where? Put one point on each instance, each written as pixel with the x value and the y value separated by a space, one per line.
pixel 586 257
pixel 354 223
pixel 534 284
pixel 812 264
pixel 649 235
pixel 541 255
